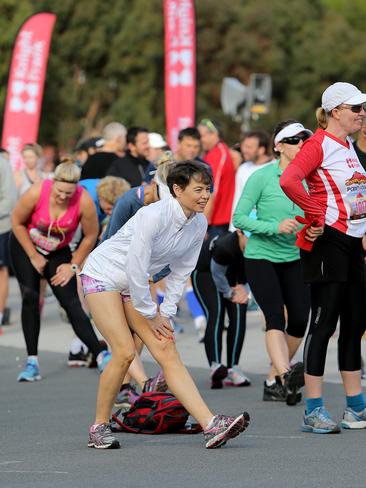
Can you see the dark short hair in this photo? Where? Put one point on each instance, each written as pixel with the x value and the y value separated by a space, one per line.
pixel 182 172
pixel 133 132
pixel 278 128
pixel 263 138
pixel 189 132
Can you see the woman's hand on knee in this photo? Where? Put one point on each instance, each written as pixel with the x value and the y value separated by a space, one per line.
pixel 161 327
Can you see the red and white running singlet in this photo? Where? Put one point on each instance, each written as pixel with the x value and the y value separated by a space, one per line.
pixel 336 183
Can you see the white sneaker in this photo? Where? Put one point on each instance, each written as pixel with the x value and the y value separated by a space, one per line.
pixel 236 377
pixel 200 324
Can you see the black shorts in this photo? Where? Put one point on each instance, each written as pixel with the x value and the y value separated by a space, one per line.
pixel 4 250
pixel 336 257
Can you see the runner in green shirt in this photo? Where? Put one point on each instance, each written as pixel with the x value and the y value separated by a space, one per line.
pixel 273 264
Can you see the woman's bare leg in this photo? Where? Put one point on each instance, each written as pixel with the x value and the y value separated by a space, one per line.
pixel 177 377
pixel 109 318
pixel 293 344
pixel 136 370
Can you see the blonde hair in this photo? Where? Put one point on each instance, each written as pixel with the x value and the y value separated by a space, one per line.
pixel 36 148
pixel 322 117
pixel 111 187
pixel 163 165
pixel 67 171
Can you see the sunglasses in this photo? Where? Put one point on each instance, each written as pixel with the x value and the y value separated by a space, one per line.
pixel 356 109
pixel 209 124
pixel 295 140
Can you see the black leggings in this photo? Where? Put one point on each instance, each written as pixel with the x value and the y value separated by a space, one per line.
pixel 214 306
pixel 330 301
pixel 29 282
pixel 275 285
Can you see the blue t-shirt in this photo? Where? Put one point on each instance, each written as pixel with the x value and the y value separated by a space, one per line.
pixel 90 186
pixel 124 208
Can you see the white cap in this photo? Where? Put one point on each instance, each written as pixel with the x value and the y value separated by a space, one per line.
pixel 290 131
pixel 156 140
pixel 339 93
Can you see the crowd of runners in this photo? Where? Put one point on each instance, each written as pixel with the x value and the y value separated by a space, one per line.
pixel 123 228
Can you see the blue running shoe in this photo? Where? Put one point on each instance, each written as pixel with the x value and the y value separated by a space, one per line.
pixel 354 420
pixel 103 359
pixel 319 422
pixel 30 373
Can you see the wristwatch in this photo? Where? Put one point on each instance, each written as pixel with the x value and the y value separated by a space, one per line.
pixel 74 267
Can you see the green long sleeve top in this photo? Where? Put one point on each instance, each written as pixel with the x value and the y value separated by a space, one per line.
pixel 263 192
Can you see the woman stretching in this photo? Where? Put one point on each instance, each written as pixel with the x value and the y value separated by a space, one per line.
pixel 273 264
pixel 44 222
pixel 168 232
pixel 332 255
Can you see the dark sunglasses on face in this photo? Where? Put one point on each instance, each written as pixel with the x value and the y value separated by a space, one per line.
pixel 356 109
pixel 295 140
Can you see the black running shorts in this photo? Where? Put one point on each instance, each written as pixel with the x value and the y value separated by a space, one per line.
pixel 335 257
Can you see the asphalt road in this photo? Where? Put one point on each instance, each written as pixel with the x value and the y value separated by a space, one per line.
pixel 44 435
pixel 44 426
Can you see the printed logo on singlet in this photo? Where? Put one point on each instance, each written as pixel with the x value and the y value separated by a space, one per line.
pixel 356 195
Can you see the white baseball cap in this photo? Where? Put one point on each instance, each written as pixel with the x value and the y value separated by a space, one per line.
pixel 339 93
pixel 156 140
pixel 291 131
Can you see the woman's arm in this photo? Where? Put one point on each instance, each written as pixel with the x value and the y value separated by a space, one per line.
pixel 89 226
pixel 20 216
pixel 180 272
pixel 138 262
pixel 307 160
pixel 250 196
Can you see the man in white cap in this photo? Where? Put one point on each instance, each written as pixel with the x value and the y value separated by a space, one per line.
pixel 157 146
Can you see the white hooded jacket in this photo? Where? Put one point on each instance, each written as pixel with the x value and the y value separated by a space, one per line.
pixel 156 236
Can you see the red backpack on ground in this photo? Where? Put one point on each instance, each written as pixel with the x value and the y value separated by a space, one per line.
pixel 155 413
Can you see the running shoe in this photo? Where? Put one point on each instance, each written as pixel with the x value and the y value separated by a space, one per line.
pixel 103 359
pixel 77 360
pixel 236 377
pixel 319 422
pixel 156 383
pixel 354 420
pixel 100 437
pixel 293 381
pixel 30 372
pixel 274 393
pixel 6 316
pixel 218 373
pixel 223 428
pixel 91 359
pixel 277 392
pixel 126 397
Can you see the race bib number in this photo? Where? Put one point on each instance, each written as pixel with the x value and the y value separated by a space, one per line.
pixel 356 196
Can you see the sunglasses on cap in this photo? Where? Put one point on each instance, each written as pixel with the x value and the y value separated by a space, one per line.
pixel 209 124
pixel 294 140
pixel 356 109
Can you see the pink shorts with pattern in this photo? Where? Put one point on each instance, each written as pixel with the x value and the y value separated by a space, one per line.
pixel 91 285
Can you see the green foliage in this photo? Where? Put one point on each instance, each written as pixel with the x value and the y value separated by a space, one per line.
pixel 107 58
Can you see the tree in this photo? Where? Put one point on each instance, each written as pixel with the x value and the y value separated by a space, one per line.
pixel 106 58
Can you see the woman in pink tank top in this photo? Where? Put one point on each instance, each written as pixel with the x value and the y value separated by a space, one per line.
pixel 44 222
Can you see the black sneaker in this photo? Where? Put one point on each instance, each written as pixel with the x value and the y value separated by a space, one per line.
pixel 277 392
pixel 218 374
pixel 293 381
pixel 6 316
pixel 78 360
pixel 274 393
